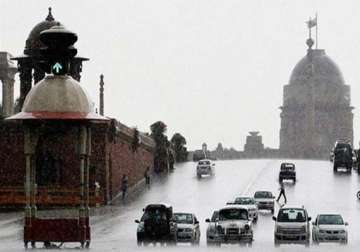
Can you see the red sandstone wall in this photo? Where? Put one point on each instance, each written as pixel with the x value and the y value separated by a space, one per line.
pixel 125 161
pixel 12 159
pixel 110 148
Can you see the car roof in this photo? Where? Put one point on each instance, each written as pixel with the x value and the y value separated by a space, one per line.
pixel 233 207
pixel 293 206
pixel 263 191
pixel 329 214
pixel 184 213
pixel 158 205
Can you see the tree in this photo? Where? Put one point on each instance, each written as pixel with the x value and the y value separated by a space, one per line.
pixel 161 159
pixel 179 142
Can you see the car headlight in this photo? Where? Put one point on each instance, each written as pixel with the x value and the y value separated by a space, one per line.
pixel 322 231
pixel 220 229
pixel 188 230
pixel 342 231
pixel 303 229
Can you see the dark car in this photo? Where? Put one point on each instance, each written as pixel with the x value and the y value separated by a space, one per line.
pixel 287 172
pixel 343 156
pixel 157 225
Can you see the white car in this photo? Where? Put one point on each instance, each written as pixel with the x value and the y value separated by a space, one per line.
pixel 329 228
pixel 205 167
pixel 265 200
pixel 292 226
pixel 188 228
pixel 250 204
pixel 233 225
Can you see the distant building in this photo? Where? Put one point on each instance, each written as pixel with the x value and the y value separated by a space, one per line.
pixel 254 146
pixel 316 108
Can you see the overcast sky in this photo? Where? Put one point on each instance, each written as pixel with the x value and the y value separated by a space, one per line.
pixel 210 69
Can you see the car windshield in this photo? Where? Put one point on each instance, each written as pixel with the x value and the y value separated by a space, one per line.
pixel 233 214
pixel 331 219
pixel 183 218
pixel 263 195
pixel 204 162
pixel 215 216
pixel 154 214
pixel 244 201
pixel 287 167
pixel 291 215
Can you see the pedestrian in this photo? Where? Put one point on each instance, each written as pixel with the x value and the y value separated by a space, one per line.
pixel 124 185
pixel 282 192
pixel 147 176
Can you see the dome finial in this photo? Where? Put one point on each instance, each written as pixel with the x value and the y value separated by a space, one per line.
pixel 50 16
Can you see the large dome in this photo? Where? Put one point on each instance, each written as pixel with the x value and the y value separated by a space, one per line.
pixel 319 66
pixel 33 42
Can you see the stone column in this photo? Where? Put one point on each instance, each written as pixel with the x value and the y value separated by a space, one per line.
pixel 38 75
pixel 101 95
pixel 25 81
pixel 8 96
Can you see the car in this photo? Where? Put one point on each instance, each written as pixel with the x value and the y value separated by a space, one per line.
pixel 205 167
pixel 292 226
pixel 250 204
pixel 287 172
pixel 343 156
pixel 329 228
pixel 188 228
pixel 232 225
pixel 265 200
pixel 212 236
pixel 157 224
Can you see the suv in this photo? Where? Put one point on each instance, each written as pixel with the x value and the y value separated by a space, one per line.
pixel 233 226
pixel 204 167
pixel 292 225
pixel 265 200
pixel 343 156
pixel 157 224
pixel 287 171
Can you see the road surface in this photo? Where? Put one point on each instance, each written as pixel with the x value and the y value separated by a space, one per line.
pixel 317 188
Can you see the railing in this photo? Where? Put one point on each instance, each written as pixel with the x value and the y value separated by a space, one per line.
pixel 55 196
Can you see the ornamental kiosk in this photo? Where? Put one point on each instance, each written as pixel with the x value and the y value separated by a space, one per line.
pixel 57 102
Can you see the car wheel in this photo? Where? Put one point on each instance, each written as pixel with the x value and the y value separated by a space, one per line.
pixel 272 210
pixel 276 243
pixel 358 195
pixel 307 243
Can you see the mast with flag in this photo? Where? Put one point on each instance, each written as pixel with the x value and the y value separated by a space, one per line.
pixel 310 24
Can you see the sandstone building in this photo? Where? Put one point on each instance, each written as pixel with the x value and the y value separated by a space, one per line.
pixel 316 108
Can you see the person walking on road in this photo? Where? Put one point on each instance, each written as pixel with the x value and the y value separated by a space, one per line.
pixel 124 186
pixel 147 176
pixel 282 192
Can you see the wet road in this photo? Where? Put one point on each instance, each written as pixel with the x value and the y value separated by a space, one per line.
pixel 317 188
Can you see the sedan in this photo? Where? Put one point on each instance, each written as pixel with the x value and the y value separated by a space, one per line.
pixel 188 228
pixel 329 228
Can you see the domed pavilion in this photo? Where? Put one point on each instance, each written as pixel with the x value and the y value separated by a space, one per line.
pixel 29 64
pixel 316 108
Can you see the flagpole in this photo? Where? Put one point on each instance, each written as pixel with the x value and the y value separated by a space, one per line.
pixel 317 23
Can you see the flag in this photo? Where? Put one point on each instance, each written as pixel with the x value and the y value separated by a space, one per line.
pixel 312 22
